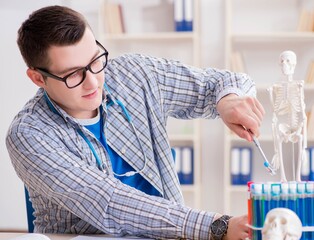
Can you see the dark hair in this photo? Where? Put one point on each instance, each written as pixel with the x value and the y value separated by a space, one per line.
pixel 46 27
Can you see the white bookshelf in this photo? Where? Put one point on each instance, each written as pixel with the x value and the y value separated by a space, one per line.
pixel 260 30
pixel 147 31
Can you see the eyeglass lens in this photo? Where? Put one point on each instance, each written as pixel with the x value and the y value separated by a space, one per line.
pixel 77 77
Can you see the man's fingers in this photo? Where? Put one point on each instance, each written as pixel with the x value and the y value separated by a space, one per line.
pixel 241 132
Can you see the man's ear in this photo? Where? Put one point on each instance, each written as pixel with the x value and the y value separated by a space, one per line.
pixel 36 77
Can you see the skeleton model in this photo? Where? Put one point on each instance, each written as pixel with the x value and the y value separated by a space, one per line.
pixel 282 223
pixel 289 118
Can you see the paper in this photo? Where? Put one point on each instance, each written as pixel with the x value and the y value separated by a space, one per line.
pixel 31 236
pixel 106 238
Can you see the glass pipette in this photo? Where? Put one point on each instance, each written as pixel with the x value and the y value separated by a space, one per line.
pixel 266 163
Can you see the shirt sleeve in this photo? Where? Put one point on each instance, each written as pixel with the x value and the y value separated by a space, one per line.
pixel 184 91
pixel 45 164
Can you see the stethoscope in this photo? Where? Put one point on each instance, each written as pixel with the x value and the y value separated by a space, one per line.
pixel 111 100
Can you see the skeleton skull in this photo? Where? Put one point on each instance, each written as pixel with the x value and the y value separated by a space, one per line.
pixel 282 224
pixel 288 61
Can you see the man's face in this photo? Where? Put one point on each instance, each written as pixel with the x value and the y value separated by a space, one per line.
pixel 81 101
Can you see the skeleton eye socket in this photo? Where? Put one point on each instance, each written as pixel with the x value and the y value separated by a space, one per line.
pixel 283 221
pixel 271 218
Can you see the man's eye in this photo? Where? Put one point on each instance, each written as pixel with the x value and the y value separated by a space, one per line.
pixel 75 74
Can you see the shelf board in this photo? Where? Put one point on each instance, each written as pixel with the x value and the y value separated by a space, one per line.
pixel 181 137
pixel 261 138
pixel 264 87
pixel 150 36
pixel 273 37
pixel 237 188
pixel 189 188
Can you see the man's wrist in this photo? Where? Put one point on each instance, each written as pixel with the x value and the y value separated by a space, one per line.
pixel 217 215
pixel 219 227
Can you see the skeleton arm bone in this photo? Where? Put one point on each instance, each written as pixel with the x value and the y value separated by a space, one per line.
pixel 274 119
pixel 304 118
pixel 275 160
pixel 304 131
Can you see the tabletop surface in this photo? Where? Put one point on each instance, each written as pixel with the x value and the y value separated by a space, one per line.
pixel 12 235
pixel 34 236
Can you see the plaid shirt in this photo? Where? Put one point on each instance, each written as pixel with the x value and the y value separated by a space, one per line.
pixel 68 191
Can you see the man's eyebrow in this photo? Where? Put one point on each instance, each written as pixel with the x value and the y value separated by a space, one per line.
pixel 72 69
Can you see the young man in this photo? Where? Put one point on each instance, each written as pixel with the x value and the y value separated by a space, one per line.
pixel 91 146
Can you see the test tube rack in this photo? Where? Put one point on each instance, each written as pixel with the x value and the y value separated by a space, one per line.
pixel 296 196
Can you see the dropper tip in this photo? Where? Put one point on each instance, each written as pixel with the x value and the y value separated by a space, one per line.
pixel 269 168
pixel 271 171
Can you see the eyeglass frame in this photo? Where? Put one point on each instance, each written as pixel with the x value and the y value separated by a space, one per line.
pixel 45 73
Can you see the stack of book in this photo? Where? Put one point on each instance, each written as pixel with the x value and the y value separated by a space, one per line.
pixel 310 123
pixel 113 18
pixel 306 21
pixel 310 73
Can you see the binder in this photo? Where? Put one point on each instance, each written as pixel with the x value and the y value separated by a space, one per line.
pixel 188 15
pixel 241 165
pixel 311 164
pixel 187 165
pixel 178 161
pixel 305 167
pixel 246 165
pixel 235 166
pixel 178 15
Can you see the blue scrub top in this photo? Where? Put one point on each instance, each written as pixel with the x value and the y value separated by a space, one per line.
pixel 120 166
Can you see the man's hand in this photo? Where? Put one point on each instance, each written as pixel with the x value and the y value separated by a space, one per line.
pixel 241 114
pixel 237 228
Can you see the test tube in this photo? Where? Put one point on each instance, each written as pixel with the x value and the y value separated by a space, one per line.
pixel 284 195
pixel 257 209
pixel 309 189
pixel 301 210
pixel 292 201
pixel 249 207
pixel 267 196
pixel 275 195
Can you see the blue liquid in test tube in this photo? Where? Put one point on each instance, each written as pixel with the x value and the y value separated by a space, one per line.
pixel 309 199
pixel 301 212
pixel 275 195
pixel 250 210
pixel 292 201
pixel 301 209
pixel 258 209
pixel 284 199
pixel 267 197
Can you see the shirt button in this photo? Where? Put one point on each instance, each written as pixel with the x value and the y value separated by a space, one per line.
pixel 46 218
pixel 123 150
pixel 150 175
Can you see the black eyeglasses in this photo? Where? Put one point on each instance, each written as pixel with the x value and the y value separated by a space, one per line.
pixel 76 77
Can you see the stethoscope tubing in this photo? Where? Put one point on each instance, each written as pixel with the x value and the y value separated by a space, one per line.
pixel 126 115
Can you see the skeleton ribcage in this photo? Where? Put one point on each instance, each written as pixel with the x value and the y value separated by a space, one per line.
pixel 287 104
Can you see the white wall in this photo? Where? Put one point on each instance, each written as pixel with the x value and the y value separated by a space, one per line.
pixel 16 89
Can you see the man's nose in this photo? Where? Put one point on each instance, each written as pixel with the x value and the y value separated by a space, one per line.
pixel 90 79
